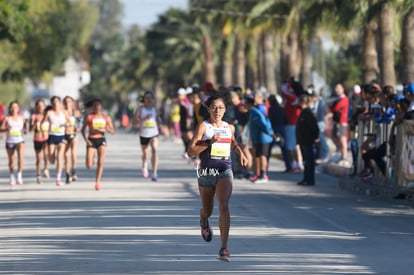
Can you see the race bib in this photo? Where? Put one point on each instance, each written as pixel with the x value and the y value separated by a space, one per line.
pixel 15 132
pixel 220 150
pixel 57 129
pixel 149 124
pixel 44 127
pixel 98 124
pixel 72 121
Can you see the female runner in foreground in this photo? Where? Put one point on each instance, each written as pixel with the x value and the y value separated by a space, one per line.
pixel 15 126
pixel 213 141
pixel 40 136
pixel 97 123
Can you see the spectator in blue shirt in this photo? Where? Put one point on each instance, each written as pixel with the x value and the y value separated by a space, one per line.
pixel 262 136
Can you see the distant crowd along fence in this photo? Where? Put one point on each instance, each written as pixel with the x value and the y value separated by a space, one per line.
pixel 399 159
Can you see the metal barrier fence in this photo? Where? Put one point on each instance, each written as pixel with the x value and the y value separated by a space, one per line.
pixel 400 160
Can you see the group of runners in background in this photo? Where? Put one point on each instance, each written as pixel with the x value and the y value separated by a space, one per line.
pixel 55 138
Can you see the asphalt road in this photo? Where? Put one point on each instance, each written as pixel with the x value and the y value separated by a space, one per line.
pixel 135 226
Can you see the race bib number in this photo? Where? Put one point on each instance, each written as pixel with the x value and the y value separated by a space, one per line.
pixel 149 124
pixel 98 124
pixel 57 129
pixel 220 150
pixel 15 132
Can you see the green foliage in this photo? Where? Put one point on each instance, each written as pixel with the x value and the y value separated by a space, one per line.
pixel 13 19
pixel 60 29
pixel 12 90
pixel 342 66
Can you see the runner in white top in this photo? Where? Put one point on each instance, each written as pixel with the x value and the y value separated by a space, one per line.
pixel 15 126
pixel 58 121
pixel 148 120
pixel 213 141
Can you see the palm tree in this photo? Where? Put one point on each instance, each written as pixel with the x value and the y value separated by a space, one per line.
pixel 386 24
pixel 206 21
pixel 407 42
pixel 175 48
pixel 266 19
pixel 370 68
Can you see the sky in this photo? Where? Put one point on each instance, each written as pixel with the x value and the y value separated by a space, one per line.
pixel 145 12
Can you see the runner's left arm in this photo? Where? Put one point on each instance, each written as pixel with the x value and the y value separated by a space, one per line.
pixel 236 147
pixel 110 126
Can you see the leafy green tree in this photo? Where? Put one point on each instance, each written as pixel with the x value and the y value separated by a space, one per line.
pixel 59 29
pixel 13 19
pixel 105 52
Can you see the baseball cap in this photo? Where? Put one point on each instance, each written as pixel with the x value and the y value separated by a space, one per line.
pixel 357 89
pixel 397 99
pixel 409 88
pixel 182 91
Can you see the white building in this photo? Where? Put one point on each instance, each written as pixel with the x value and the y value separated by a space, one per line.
pixel 74 77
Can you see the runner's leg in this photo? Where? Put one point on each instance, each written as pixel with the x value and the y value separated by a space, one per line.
pixel 223 192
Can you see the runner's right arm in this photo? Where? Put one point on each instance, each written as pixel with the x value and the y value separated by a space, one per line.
pixel 3 127
pixel 83 130
pixel 196 145
pixel 137 117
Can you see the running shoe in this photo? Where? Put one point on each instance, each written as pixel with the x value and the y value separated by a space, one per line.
pixel 46 173
pixel 58 182
pixel 68 178
pixel 154 177
pixel 97 186
pixel 74 176
pixel 368 178
pixel 254 178
pixel 206 231
pixel 12 180
pixel 145 172
pixel 39 180
pixel 260 180
pixel 224 255
pixel 19 181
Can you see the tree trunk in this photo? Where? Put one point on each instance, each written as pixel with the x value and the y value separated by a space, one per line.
pixel 228 61
pixel 284 59
pixel 210 74
pixel 387 69
pixel 158 91
pixel 252 64
pixel 307 62
pixel 269 61
pixel 369 54
pixel 407 48
pixel 260 63
pixel 294 54
pixel 240 62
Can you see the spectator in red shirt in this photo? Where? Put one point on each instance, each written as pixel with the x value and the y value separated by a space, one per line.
pixel 340 120
pixel 292 113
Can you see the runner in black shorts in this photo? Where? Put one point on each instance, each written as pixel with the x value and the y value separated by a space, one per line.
pixel 148 120
pixel 98 124
pixel 40 137
pixel 213 141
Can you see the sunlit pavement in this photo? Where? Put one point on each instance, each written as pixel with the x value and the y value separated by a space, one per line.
pixel 135 226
